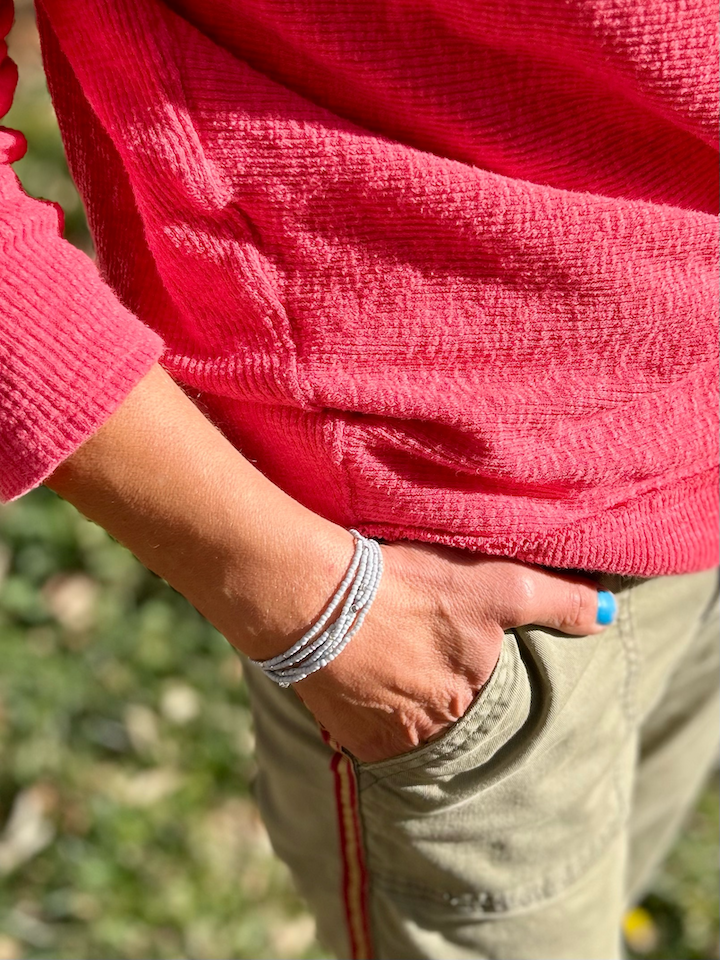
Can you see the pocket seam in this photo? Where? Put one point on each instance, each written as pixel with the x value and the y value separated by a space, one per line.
pixel 447 744
pixel 527 896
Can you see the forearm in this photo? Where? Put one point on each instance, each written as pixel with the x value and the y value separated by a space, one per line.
pixel 261 567
pixel 161 479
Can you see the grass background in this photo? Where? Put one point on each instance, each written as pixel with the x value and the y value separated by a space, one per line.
pixel 126 824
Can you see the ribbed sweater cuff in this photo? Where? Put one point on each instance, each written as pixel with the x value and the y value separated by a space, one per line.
pixel 69 354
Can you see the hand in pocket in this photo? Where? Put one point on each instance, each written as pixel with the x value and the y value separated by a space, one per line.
pixel 431 641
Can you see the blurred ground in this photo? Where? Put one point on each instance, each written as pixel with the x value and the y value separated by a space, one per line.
pixel 126 824
pixel 125 763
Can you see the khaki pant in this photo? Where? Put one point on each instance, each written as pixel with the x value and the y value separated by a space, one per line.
pixel 525 832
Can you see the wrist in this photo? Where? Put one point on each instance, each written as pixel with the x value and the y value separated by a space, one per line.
pixel 274 591
pixel 342 617
pixel 162 480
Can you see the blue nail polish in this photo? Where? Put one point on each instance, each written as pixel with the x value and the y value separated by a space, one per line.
pixel 607 608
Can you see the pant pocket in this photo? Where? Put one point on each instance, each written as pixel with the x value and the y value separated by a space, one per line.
pixel 501 705
pixel 519 797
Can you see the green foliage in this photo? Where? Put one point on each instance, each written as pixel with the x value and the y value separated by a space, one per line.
pixel 126 752
pixel 684 902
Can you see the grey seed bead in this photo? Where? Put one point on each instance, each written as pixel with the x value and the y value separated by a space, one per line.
pixel 318 647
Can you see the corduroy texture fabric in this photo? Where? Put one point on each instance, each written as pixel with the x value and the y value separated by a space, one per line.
pixel 445 271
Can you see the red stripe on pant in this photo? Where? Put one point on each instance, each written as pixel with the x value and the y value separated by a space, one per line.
pixel 354 871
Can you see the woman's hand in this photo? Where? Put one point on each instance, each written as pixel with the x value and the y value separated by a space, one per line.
pixel 431 641
pixel 261 567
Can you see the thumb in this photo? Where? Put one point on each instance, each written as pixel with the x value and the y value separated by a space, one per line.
pixel 568 604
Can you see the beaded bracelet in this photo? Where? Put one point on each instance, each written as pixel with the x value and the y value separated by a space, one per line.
pixel 319 646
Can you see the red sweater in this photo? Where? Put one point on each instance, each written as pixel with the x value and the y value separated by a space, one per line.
pixel 445 270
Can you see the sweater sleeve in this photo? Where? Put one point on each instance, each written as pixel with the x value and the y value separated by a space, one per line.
pixel 69 351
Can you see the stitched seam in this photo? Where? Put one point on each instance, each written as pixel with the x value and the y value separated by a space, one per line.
pixel 524 897
pixel 456 737
pixel 628 638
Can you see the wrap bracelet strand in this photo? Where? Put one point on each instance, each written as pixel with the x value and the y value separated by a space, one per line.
pixel 319 646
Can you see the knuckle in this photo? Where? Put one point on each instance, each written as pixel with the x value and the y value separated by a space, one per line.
pixel 522 596
pixel 580 607
pixel 576 606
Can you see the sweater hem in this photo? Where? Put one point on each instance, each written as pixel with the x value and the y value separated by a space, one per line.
pixel 664 532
